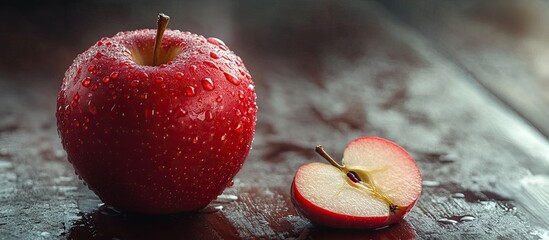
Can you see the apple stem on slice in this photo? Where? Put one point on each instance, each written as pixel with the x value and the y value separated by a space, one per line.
pixel 162 22
pixel 320 150
pixel 355 177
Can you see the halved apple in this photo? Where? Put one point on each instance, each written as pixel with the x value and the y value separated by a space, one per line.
pixel 377 185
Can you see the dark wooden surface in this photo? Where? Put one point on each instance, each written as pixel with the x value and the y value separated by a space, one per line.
pixel 460 89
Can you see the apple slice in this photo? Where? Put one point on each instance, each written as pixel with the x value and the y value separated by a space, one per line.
pixel 377 185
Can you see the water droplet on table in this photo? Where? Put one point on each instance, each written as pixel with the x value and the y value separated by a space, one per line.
pixel 458 195
pixel 467 218
pixel 211 209
pixel 447 221
pixel 430 183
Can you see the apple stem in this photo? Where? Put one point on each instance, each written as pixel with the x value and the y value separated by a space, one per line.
pixel 320 150
pixel 163 20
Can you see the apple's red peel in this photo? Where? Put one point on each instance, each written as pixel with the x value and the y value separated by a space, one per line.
pixel 371 163
pixel 160 132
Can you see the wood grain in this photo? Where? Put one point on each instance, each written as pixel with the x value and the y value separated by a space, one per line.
pixel 501 44
pixel 325 74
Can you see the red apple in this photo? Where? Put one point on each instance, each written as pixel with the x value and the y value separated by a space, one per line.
pixel 157 132
pixel 378 185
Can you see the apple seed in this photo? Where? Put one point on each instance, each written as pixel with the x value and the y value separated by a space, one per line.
pixel 353 176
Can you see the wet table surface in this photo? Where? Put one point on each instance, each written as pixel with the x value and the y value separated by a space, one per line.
pixel 462 86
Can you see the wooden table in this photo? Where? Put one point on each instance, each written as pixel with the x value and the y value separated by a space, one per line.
pixel 459 85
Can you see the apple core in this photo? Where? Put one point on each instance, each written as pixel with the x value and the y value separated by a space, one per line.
pixel 356 177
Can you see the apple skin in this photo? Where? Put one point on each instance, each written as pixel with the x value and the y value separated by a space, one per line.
pixel 325 217
pixel 157 139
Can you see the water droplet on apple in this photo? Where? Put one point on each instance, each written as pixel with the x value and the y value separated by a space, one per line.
pixel 219 99
pixel 207 84
pixel 114 75
pixel 240 94
pixel 94 87
pixel 210 64
pixel 209 116
pixel 223 137
pixel 99 43
pixel 86 82
pixel 238 128
pixel 214 55
pixel 194 68
pixel 238 113
pixel 76 97
pixel 92 108
pixel 158 79
pixel 134 83
pixel 189 90
pixel 195 139
pixel 242 72
pixel 182 111
pixel 216 41
pixel 231 78
pixel 106 80
pixel 91 68
pixel 179 75
pixel 98 55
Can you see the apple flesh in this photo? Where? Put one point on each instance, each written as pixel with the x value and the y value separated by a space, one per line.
pixel 160 137
pixel 378 185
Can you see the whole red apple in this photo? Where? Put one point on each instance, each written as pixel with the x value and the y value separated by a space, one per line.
pixel 157 123
pixel 378 185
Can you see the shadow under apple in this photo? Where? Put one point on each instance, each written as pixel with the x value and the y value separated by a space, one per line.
pixel 106 223
pixel 400 230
